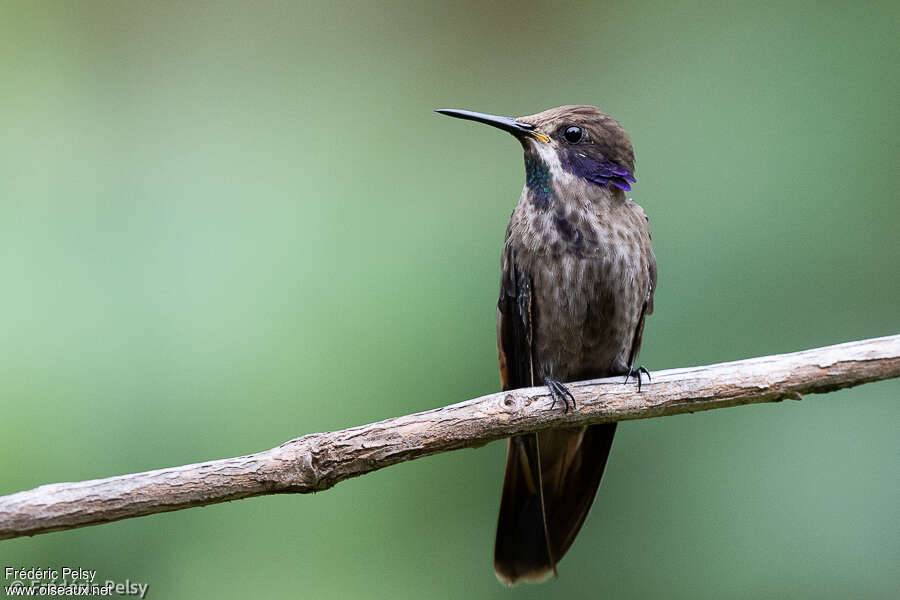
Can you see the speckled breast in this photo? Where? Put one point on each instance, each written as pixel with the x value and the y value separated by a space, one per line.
pixel 590 278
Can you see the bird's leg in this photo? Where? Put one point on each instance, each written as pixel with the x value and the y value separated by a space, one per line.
pixel 560 393
pixel 637 372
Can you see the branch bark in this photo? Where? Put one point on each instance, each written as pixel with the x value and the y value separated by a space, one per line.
pixel 317 461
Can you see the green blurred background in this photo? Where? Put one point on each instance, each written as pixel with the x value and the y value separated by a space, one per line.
pixel 223 225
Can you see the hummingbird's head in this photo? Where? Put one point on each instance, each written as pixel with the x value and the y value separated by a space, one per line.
pixel 569 141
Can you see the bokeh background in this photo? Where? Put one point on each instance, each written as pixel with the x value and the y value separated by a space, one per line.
pixel 223 225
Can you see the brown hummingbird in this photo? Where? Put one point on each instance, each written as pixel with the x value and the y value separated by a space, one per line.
pixel 577 281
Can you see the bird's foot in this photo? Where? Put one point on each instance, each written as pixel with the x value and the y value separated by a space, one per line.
pixel 560 393
pixel 637 373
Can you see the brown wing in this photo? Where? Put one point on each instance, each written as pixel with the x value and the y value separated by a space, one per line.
pixel 646 309
pixel 514 326
pixel 522 548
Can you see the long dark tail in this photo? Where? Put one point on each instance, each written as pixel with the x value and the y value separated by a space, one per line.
pixel 568 464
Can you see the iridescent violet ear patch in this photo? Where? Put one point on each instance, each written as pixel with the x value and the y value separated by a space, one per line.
pixel 599 171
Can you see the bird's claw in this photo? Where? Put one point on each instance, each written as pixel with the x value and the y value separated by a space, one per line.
pixel 559 392
pixel 637 372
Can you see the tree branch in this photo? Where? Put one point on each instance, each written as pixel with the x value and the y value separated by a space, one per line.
pixel 317 461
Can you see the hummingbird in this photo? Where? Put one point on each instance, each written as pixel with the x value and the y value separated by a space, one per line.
pixel 577 280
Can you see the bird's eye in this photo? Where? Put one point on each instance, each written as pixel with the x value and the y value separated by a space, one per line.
pixel 573 134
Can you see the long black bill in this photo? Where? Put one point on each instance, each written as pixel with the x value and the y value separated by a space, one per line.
pixel 505 123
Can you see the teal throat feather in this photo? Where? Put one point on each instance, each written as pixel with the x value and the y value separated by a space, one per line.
pixel 539 181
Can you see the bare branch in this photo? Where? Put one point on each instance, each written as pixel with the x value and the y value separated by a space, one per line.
pixel 317 461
